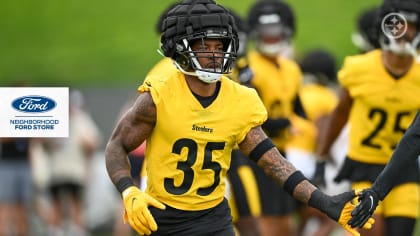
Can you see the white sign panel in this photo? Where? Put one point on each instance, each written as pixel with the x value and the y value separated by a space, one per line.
pixel 34 111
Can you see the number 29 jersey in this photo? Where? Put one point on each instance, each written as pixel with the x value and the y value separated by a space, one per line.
pixel 188 153
pixel 383 106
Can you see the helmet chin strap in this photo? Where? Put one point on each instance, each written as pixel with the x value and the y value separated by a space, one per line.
pixel 207 77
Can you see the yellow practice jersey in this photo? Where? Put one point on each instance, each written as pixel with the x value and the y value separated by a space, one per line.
pixel 189 150
pixel 383 107
pixel 163 68
pixel 277 86
pixel 318 101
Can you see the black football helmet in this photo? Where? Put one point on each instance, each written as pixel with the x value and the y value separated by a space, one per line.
pixel 366 35
pixel 273 25
pixel 395 16
pixel 193 20
pixel 162 16
pixel 319 66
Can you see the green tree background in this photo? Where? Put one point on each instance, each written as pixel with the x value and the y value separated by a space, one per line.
pixel 107 43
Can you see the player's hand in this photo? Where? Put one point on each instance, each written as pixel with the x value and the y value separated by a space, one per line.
pixel 368 201
pixel 338 208
pixel 319 176
pixel 137 212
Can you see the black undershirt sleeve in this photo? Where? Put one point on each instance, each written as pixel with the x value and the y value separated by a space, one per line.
pixel 298 108
pixel 405 154
pixel 274 125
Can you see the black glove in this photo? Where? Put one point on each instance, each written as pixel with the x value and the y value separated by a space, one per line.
pixel 368 201
pixel 332 206
pixel 338 208
pixel 335 207
pixel 319 176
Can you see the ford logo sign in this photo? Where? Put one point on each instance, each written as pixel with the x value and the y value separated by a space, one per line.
pixel 33 104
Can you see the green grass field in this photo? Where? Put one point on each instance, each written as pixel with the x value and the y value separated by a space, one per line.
pixel 113 43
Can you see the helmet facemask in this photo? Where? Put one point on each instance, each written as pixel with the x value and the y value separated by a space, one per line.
pixel 406 43
pixel 273 25
pixel 272 39
pixel 219 61
pixel 199 21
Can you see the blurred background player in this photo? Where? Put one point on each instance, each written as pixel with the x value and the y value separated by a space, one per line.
pixel 241 72
pixel 405 154
pixel 365 37
pixel 379 100
pixel 277 81
pixel 69 166
pixel 319 98
pixel 243 194
pixel 16 186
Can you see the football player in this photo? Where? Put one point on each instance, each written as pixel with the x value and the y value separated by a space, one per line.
pixel 277 80
pixel 365 38
pixel 243 193
pixel 191 120
pixel 406 154
pixel 379 100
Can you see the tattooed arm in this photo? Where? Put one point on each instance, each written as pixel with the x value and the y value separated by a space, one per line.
pixel 131 131
pixel 268 158
pixel 275 165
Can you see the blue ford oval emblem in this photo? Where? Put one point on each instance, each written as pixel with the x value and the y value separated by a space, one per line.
pixel 33 104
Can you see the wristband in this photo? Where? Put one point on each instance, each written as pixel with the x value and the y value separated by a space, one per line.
pixel 260 149
pixel 293 180
pixel 124 183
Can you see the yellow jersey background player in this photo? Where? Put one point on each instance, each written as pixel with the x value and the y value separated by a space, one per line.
pixel 379 99
pixel 319 98
pixel 243 193
pixel 277 80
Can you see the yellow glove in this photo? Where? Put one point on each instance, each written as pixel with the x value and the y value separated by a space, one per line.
pixel 345 216
pixel 137 212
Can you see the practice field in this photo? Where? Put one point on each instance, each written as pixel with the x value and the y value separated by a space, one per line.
pixel 113 43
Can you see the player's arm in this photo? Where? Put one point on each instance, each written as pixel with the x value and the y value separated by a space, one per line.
pixel 334 123
pixel 405 154
pixel 332 126
pixel 259 148
pixel 132 129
